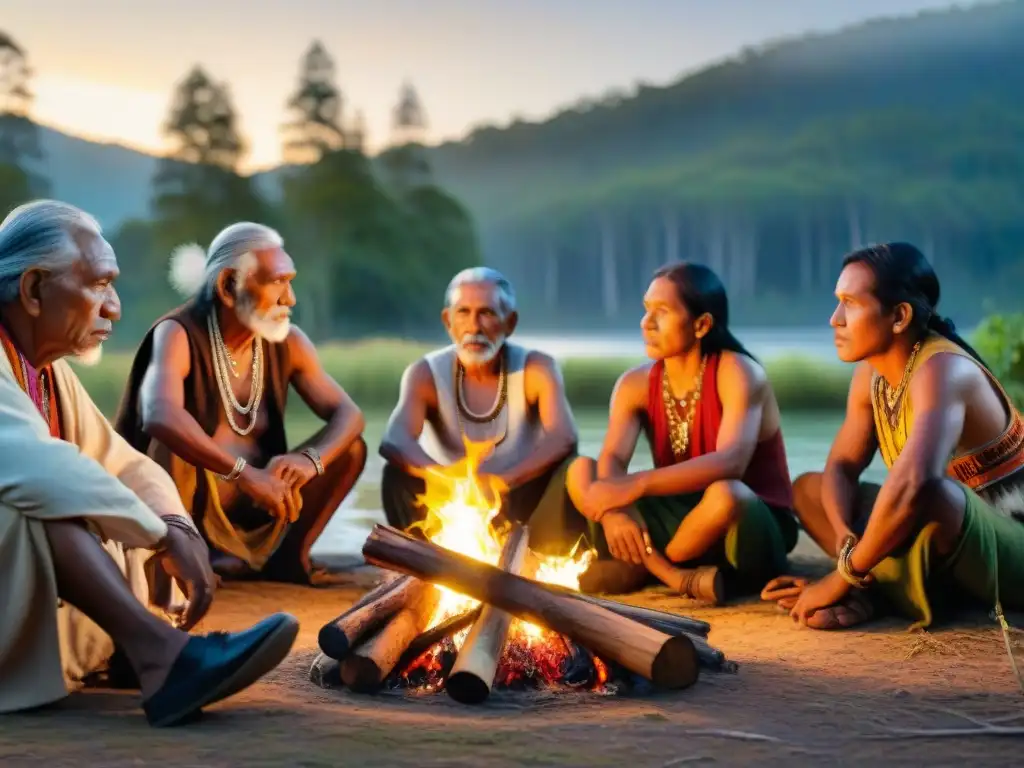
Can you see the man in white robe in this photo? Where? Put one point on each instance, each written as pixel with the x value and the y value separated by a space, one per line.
pixel 81 512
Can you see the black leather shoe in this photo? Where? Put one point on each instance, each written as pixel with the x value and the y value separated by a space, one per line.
pixel 214 666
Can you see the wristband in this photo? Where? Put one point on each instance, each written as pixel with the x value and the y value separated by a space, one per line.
pixel 314 455
pixel 240 464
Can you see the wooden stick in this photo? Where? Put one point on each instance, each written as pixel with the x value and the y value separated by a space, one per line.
pixel 668 662
pixel 428 639
pixel 365 668
pixel 685 624
pixel 473 674
pixel 325 672
pixel 338 637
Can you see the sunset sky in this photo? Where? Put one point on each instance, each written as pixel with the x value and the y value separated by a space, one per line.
pixel 105 69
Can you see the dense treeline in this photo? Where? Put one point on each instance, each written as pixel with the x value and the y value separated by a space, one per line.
pixel 375 243
pixel 769 167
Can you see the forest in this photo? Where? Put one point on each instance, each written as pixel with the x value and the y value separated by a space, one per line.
pixel 378 238
pixel 768 166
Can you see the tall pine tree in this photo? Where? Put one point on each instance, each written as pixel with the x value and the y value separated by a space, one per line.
pixel 316 111
pixel 20 152
pixel 197 189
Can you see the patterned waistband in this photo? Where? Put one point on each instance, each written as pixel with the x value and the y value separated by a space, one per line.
pixel 993 462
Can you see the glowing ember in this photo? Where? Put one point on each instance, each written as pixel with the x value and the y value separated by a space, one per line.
pixel 461 510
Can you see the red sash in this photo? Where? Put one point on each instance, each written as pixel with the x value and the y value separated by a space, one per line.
pixel 37 384
pixel 767 474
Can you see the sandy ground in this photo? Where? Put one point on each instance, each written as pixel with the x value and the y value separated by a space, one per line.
pixel 799 697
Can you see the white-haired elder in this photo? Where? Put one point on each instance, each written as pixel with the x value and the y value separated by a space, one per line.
pixel 81 512
pixel 206 398
pixel 485 388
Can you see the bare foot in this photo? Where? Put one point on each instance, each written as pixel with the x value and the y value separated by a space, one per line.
pixel 855 609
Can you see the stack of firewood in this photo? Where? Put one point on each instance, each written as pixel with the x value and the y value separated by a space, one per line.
pixel 387 629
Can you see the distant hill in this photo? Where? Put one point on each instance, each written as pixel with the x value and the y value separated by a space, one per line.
pixel 932 63
pixel 768 166
pixel 935 59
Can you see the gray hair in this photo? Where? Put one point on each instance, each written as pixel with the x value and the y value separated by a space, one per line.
pixel 194 270
pixel 42 234
pixel 478 275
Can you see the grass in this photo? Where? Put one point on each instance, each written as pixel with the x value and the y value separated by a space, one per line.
pixel 370 372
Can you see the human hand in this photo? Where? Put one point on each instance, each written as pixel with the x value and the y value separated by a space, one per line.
pixel 296 469
pixel 627 538
pixel 270 492
pixel 186 559
pixel 609 495
pixel 822 594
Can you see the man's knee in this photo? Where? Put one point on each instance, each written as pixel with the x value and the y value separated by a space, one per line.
pixel 352 462
pixel 578 477
pixel 729 497
pixel 807 492
pixel 942 501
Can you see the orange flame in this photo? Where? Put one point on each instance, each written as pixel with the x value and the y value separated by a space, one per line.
pixel 461 506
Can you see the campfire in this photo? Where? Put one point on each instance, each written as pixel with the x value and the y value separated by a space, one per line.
pixel 467 607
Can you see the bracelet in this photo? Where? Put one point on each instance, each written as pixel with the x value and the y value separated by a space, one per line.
pixel 845 569
pixel 314 455
pixel 240 464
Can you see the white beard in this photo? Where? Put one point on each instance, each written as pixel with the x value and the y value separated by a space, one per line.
pixel 471 358
pixel 274 329
pixel 89 357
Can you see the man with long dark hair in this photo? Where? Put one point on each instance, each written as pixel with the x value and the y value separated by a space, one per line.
pixel 719 498
pixel 941 528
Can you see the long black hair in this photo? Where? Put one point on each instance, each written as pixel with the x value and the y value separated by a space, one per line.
pixel 903 275
pixel 700 291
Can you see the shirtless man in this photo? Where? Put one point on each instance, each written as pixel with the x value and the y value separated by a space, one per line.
pixel 941 530
pixel 206 398
pixel 719 495
pixel 487 389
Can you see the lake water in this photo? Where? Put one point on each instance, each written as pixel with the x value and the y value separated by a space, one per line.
pixel 807 436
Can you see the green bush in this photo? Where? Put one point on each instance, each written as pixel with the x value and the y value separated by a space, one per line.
pixel 370 372
pixel 999 339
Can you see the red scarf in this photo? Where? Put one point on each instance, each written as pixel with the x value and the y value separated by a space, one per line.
pixel 706 421
pixel 767 474
pixel 37 384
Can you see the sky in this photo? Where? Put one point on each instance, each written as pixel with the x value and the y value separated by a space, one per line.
pixel 106 69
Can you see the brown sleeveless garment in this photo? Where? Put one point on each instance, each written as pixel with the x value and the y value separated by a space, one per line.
pixel 203 403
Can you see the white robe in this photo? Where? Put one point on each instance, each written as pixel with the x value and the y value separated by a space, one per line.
pixel 93 474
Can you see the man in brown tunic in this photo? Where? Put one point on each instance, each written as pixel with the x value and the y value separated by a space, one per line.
pixel 206 399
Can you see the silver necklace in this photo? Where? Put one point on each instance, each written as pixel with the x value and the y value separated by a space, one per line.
pixel 222 370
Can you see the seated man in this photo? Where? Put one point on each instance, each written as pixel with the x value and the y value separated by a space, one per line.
pixel 484 388
pixel 82 513
pixel 719 495
pixel 206 399
pixel 940 530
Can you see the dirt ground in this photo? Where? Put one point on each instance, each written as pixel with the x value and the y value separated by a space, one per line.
pixel 799 697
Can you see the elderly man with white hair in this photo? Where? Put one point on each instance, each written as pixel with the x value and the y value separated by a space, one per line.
pixel 85 520
pixel 484 388
pixel 206 398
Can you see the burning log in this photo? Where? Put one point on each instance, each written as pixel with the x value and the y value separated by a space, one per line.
pixel 473 674
pixel 667 661
pixel 648 616
pixel 427 640
pixel 338 637
pixel 364 669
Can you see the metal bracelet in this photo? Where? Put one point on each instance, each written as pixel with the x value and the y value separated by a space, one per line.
pixel 314 455
pixel 240 464
pixel 845 569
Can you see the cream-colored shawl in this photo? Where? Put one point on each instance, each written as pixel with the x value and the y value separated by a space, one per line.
pixel 93 474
